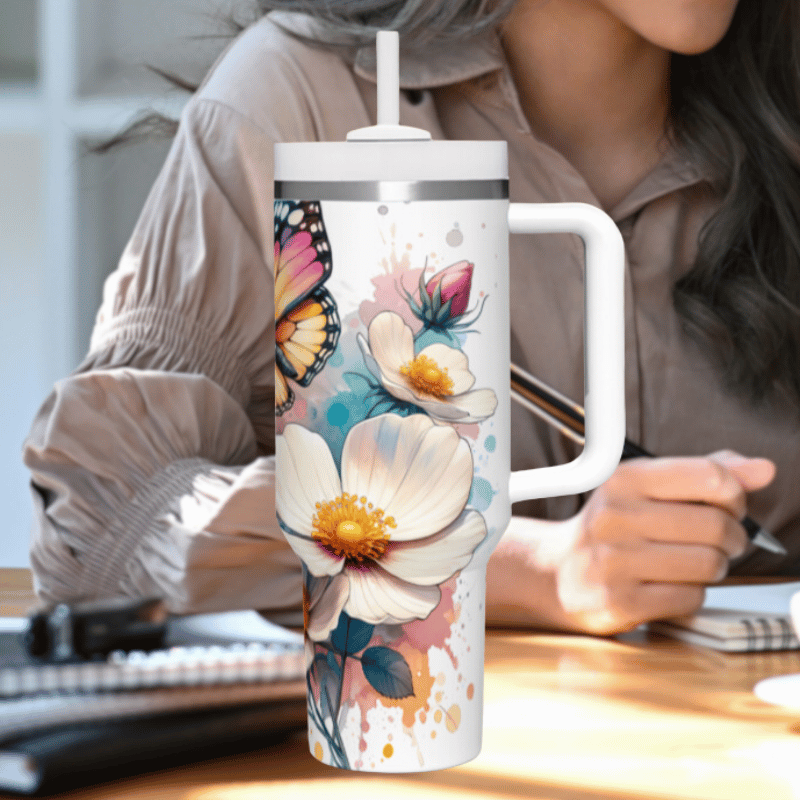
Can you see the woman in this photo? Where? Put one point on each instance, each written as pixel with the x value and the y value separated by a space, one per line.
pixel 151 466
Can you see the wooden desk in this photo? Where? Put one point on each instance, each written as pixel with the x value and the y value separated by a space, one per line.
pixel 566 718
pixel 16 592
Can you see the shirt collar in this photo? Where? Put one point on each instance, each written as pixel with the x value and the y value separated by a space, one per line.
pixel 480 56
pixel 445 65
pixel 673 172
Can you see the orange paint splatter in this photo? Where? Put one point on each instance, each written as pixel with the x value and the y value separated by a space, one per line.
pixel 422 683
pixel 453 718
pixel 388 751
pixel 417 637
pixel 318 751
pixel 438 716
pixel 422 716
pixel 439 696
pixel 433 734
pixel 470 691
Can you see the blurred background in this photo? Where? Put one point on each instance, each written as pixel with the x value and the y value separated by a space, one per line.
pixel 72 74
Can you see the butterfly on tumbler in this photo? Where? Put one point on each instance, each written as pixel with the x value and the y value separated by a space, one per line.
pixel 306 320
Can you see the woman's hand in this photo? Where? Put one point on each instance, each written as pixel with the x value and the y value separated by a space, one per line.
pixel 643 547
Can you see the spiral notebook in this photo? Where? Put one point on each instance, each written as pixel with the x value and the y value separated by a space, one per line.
pixel 739 618
pixel 228 648
pixel 242 656
pixel 223 681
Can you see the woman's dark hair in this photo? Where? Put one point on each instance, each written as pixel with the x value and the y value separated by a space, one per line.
pixel 735 111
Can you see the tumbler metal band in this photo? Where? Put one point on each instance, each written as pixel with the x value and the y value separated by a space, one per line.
pixel 392 191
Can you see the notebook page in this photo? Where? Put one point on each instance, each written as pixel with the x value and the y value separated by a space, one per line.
pixel 764 598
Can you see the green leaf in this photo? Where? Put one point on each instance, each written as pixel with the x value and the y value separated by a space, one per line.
pixel 387 672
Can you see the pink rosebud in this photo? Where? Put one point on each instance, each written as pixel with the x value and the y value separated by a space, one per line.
pixel 456 283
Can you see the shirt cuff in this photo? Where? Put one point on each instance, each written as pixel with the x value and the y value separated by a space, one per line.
pixel 132 523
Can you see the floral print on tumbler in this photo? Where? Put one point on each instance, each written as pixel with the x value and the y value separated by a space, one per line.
pixel 384 448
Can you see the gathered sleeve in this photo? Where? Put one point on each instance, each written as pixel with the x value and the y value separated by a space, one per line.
pixel 152 472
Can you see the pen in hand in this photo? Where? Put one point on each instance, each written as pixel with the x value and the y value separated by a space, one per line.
pixel 567 416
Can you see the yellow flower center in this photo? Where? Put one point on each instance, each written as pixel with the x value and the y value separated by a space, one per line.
pixel 427 377
pixel 352 528
pixel 349 531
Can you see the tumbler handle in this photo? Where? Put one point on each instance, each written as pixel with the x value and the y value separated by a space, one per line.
pixel 604 341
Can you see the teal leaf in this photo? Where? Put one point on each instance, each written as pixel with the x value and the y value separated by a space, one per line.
pixel 423 292
pixel 333 664
pixel 387 672
pixel 319 663
pixel 351 635
pixel 328 690
pixel 325 706
pixel 444 311
pixel 436 300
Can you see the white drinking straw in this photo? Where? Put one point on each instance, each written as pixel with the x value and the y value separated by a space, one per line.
pixel 388 61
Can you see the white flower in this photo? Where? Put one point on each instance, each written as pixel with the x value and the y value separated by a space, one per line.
pixel 308 651
pixel 321 608
pixel 437 379
pixel 316 621
pixel 390 530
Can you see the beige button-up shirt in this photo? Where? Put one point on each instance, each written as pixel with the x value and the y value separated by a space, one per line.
pixel 151 464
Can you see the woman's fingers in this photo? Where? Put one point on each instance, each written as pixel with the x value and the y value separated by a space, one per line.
pixel 651 537
pixel 659 562
pixel 608 607
pixel 634 520
pixel 721 479
pixel 698 480
pixel 752 473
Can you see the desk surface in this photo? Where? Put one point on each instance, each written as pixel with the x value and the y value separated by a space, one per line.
pixel 566 718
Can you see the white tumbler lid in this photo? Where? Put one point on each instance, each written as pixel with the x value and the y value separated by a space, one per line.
pixel 389 151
